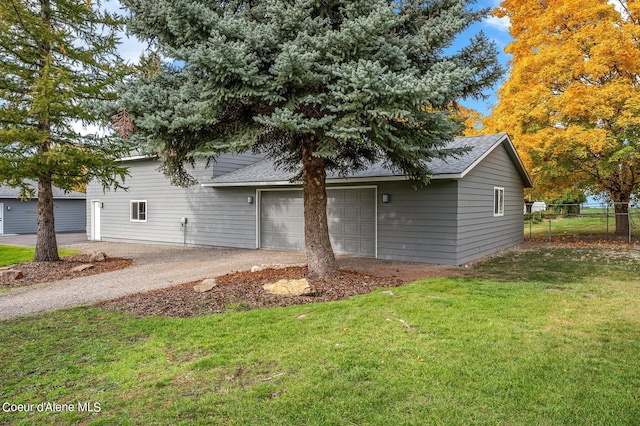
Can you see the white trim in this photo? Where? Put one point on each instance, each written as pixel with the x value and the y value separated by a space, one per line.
pixel 293 185
pixel 500 189
pixel 137 157
pixel 375 204
pixel 146 210
pixel 96 233
pixel 1 218
pixel 483 156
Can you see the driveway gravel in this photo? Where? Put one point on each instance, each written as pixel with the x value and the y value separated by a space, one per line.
pixel 153 267
pixel 156 266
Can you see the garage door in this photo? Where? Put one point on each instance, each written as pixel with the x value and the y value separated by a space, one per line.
pixel 282 220
pixel 350 212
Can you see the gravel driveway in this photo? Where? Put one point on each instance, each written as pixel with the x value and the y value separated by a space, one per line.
pixel 153 267
pixel 156 266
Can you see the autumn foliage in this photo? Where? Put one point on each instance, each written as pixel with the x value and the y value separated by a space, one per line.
pixel 572 101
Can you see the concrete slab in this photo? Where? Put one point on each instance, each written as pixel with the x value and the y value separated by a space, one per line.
pixel 29 240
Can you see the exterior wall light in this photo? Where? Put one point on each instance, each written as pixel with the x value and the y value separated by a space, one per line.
pixel 8 207
pixel 250 199
pixel 385 198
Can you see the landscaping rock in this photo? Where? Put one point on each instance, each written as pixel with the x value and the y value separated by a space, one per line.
pixel 256 268
pixel 10 274
pixel 205 285
pixel 81 268
pixel 289 287
pixel 98 256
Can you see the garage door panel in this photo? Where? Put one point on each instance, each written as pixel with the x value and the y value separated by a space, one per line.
pixel 350 213
pixel 351 229
pixel 336 228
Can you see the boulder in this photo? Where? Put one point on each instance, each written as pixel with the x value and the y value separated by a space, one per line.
pixel 82 267
pixel 10 274
pixel 98 256
pixel 289 287
pixel 205 285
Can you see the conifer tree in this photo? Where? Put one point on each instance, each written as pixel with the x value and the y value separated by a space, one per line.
pixel 316 85
pixel 56 57
pixel 572 101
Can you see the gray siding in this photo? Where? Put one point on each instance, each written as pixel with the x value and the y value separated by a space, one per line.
pixel 479 232
pixel 69 216
pixel 216 217
pixel 418 225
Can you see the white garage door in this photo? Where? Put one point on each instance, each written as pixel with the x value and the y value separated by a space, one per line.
pixel 350 212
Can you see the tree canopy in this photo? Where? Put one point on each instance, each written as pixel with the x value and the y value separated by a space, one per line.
pixel 572 99
pixel 331 85
pixel 57 58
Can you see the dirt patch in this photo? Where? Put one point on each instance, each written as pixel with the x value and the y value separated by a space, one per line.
pixel 39 272
pixel 243 291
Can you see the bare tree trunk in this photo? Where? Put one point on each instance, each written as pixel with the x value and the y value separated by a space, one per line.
pixel 46 244
pixel 622 218
pixel 320 258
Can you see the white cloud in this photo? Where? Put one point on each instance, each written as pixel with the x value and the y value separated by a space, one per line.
pixel 500 24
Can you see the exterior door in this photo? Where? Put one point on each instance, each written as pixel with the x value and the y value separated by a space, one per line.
pixel 95 220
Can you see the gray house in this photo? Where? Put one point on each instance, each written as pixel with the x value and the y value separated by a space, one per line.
pixel 472 207
pixel 19 217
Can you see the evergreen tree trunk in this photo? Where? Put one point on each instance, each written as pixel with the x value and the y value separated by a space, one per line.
pixel 320 258
pixel 46 244
pixel 622 218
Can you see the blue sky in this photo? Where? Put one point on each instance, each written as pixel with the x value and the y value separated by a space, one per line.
pixel 496 29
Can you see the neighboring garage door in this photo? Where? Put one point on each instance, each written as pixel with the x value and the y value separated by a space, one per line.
pixel 350 212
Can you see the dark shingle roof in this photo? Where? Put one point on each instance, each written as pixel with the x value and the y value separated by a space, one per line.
pixel 8 192
pixel 264 172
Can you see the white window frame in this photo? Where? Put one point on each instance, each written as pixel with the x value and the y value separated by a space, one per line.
pixel 146 211
pixel 498 202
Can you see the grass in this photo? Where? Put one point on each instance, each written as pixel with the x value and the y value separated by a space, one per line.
pixel 581 225
pixel 547 337
pixel 10 255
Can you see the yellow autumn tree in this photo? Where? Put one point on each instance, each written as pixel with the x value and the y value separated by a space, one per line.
pixel 572 101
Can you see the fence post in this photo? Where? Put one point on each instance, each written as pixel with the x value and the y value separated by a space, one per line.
pixel 629 223
pixel 607 219
pixel 549 227
pixel 530 224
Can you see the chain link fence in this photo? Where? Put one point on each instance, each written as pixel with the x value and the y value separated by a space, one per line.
pixel 619 221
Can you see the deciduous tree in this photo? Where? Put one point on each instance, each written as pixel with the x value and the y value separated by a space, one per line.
pixel 56 57
pixel 572 100
pixel 316 85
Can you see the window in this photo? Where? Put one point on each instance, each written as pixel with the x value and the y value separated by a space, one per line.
pixel 138 211
pixel 498 201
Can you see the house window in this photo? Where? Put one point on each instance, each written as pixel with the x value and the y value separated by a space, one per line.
pixel 139 211
pixel 498 201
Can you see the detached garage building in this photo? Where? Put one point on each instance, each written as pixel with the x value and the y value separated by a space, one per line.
pixel 19 217
pixel 472 207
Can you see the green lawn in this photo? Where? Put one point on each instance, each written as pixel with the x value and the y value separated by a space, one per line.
pixel 546 337
pixel 583 225
pixel 18 254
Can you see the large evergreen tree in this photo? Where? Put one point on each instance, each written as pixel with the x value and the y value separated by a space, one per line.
pixel 316 85
pixel 572 100
pixel 56 57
